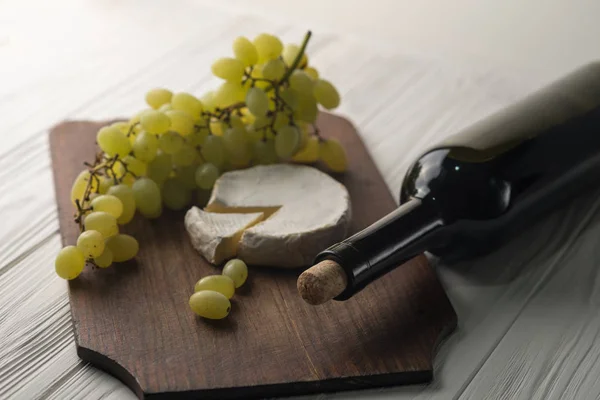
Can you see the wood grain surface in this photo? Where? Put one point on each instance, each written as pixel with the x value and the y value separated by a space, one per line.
pixel 133 319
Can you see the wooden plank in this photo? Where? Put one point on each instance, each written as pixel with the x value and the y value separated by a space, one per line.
pixel 133 320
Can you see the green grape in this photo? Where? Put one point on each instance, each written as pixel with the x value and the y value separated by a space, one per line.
pixel 257 102
pixel 289 54
pixel 312 72
pixel 274 69
pixel 210 304
pixel 69 262
pixel 170 142
pixel 268 47
pixel 240 160
pixel 264 152
pixel 307 109
pixel 154 121
pixel 281 120
pixel 257 74
pixel 301 82
pixel 121 125
pixel 228 93
pixel 135 166
pixel 261 122
pixel 202 197
pixel 310 152
pixel 147 197
pixel 158 97
pixel 290 97
pixel 245 51
pixel 91 243
pixel 185 156
pixel 188 103
pixel 80 184
pixel 230 69
pixel 197 138
pixel 113 142
pixel 104 184
pixel 123 247
pixel 218 283
pixel 213 151
pixel 254 135
pixel 165 107
pixel 187 176
pixel 175 195
pixel 287 141
pixel 234 140
pixel 236 122
pixel 160 168
pixel 102 222
pixel 181 122
pixel 105 259
pixel 206 175
pixel 108 203
pixel 333 155
pixel 216 127
pixel 125 194
pixel 237 270
pixel 208 100
pixel 145 146
pixel 326 94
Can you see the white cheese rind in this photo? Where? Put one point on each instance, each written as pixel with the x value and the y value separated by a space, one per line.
pixel 314 212
pixel 216 236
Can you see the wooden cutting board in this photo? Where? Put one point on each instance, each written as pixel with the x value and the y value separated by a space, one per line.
pixel 133 319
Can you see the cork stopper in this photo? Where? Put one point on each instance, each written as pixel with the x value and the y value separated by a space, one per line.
pixel 322 282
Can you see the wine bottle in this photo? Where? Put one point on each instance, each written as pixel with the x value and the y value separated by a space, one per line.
pixel 477 189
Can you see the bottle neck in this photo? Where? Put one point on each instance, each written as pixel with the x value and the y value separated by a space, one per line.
pixel 388 243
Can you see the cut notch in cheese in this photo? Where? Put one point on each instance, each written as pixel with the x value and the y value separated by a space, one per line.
pixel 217 235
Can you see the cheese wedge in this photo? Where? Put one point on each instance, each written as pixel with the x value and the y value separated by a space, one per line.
pixel 216 236
pixel 305 212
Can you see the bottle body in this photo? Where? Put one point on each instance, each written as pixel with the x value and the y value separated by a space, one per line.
pixel 474 191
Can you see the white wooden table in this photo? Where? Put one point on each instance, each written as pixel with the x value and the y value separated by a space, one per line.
pixel 528 315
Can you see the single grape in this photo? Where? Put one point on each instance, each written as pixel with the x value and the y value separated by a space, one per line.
pixel 188 103
pixel 108 203
pixel 145 146
pixel 274 69
pixel 158 97
pixel 91 243
pixel 181 122
pixel 105 259
pixel 185 156
pixel 175 195
pixel 160 168
pixel 123 247
pixel 208 100
pixel 133 165
pixel 80 184
pixel 254 135
pixel 196 139
pixel 113 142
pixel 289 54
pixel 264 152
pixel 69 262
pixel 236 122
pixel 147 197
pixel 290 97
pixel 287 141
pixel 237 270
pixel 235 141
pixel 229 93
pixel 217 127
pixel 312 72
pixel 187 176
pixel 154 121
pixel 170 142
pixel 261 122
pixel 257 101
pixel 333 155
pixel 121 125
pixel 281 120
pixel 301 82
pixel 206 175
pixel 202 197
pixel 239 160
pixel 102 222
pixel 326 94
pixel 104 184
pixel 165 107
pixel 213 151
pixel 125 194
pixel 257 74
pixel 268 47
pixel 210 304
pixel 310 152
pixel 219 283
pixel 230 69
pixel 307 109
pixel 245 51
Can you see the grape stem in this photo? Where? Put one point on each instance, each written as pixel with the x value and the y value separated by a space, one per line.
pixel 298 58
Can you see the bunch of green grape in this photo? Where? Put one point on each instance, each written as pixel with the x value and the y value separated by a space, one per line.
pixel 166 155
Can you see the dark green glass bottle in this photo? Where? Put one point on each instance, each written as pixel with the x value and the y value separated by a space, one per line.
pixel 474 191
